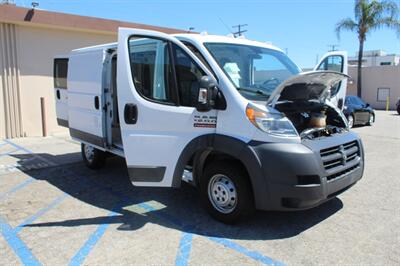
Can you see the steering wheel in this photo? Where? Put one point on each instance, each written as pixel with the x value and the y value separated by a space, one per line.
pixel 271 82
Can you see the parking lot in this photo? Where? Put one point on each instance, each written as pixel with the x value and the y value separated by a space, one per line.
pixel 55 211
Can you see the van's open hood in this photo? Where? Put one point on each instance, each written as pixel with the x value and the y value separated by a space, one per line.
pixel 313 85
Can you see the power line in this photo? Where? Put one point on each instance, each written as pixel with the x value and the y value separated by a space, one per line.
pixel 240 31
pixel 226 26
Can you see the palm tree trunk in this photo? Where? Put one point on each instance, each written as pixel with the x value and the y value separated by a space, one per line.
pixel 359 67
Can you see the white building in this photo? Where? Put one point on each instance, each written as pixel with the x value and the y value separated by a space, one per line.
pixel 376 58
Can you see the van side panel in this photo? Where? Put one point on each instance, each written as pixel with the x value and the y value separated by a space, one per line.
pixel 85 97
pixel 61 90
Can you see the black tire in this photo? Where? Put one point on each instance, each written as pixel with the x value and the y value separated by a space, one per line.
pixel 350 120
pixel 371 119
pixel 243 203
pixel 96 160
pixel 398 109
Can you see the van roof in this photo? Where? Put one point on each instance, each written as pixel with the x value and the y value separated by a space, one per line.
pixel 205 38
pixel 199 38
pixel 96 48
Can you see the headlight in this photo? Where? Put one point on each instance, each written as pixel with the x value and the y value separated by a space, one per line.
pixel 271 123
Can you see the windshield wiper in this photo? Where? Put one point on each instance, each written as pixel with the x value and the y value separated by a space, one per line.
pixel 256 91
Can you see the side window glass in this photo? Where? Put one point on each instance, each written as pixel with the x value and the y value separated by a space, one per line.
pixel 333 63
pixel 151 69
pixel 188 75
pixel 197 53
pixel 60 73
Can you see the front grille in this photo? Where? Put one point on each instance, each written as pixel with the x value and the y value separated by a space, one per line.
pixel 339 174
pixel 341 159
pixel 340 155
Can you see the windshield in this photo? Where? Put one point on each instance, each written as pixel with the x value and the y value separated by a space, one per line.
pixel 255 71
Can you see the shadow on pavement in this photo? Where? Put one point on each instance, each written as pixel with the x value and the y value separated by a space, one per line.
pixel 109 188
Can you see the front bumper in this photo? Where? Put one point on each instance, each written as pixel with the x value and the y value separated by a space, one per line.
pixel 301 176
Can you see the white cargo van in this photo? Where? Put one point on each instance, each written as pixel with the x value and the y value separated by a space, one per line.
pixel 236 118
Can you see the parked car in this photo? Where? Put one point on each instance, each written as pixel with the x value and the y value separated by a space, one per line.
pixel 358 112
pixel 398 106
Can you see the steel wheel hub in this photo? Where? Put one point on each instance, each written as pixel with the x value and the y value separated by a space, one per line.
pixel 350 121
pixel 222 193
pixel 89 153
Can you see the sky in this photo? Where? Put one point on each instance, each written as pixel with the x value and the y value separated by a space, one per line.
pixel 303 28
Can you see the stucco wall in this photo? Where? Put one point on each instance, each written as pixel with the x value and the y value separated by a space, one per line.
pixel 36 47
pixel 10 111
pixel 2 116
pixel 374 78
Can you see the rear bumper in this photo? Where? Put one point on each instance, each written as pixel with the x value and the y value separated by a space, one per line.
pixel 302 176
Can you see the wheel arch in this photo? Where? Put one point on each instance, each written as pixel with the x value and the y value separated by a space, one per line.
pixel 201 150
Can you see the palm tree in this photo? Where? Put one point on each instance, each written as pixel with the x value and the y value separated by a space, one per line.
pixel 369 16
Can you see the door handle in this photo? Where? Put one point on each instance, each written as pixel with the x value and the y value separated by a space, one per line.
pixel 96 102
pixel 58 94
pixel 130 113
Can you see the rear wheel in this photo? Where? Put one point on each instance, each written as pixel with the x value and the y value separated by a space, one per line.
pixel 226 192
pixel 93 158
pixel 371 119
pixel 350 120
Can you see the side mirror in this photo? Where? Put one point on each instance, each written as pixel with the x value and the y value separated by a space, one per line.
pixel 207 94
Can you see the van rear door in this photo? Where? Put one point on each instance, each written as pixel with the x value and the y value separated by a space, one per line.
pixel 157 78
pixel 336 61
pixel 60 71
pixel 85 96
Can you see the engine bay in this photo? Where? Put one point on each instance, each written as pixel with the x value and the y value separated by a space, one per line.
pixel 312 119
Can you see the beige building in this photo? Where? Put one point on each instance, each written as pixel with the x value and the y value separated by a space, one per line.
pixel 29 39
pixel 375 58
pixel 379 83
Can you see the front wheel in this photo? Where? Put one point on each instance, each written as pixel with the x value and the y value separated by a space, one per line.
pixel 93 158
pixel 226 192
pixel 371 119
pixel 350 120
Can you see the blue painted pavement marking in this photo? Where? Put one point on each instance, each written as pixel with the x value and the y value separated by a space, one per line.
pixel 30 152
pixel 225 242
pixel 41 212
pixel 19 247
pixel 252 254
pixel 84 251
pixel 3 144
pixel 8 153
pixel 185 246
pixel 18 146
pixel 95 237
pixel 16 188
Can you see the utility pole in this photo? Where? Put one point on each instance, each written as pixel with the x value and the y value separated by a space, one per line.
pixel 333 47
pixel 240 31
